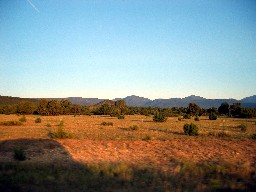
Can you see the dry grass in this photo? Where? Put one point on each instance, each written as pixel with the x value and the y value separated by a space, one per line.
pixel 154 157
pixel 90 127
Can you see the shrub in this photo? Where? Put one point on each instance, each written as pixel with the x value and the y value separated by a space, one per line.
pixel 213 116
pixel 19 154
pixel 11 123
pixel 253 136
pixel 147 138
pixel 190 129
pixel 107 123
pixel 23 119
pixel 120 116
pixel 134 128
pixel 60 134
pixel 243 128
pixel 61 123
pixel 48 125
pixel 159 117
pixel 186 116
pixel 180 119
pixel 38 120
pixel 196 118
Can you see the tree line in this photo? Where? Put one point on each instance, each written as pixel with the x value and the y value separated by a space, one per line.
pixel 119 109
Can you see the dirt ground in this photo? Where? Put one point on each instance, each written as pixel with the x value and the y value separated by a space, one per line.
pixel 151 154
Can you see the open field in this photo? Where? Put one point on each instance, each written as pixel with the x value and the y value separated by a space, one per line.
pixel 153 157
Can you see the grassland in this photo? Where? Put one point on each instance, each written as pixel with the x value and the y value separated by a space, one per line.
pixel 103 153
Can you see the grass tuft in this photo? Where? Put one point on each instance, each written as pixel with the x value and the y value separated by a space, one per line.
pixel 107 123
pixel 11 123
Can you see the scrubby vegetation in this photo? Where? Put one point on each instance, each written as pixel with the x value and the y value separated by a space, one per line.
pixel 213 116
pixel 159 117
pixel 19 154
pixel 107 123
pixel 11 123
pixel 38 120
pixel 190 129
pixel 23 119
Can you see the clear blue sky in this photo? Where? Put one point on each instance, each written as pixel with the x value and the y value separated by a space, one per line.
pixel 109 49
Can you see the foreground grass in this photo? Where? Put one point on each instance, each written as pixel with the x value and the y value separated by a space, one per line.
pixel 123 177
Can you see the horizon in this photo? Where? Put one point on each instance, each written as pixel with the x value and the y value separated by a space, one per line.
pixel 111 49
pixel 122 97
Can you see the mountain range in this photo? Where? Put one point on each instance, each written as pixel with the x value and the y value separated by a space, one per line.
pixel 145 102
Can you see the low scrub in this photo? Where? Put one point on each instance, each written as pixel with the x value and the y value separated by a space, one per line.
pixel 159 117
pixel 190 129
pixel 23 119
pixel 253 136
pixel 134 127
pixel 213 116
pixel 120 116
pixel 243 128
pixel 186 116
pixel 59 134
pixel 107 123
pixel 147 138
pixel 197 118
pixel 38 120
pixel 19 154
pixel 11 123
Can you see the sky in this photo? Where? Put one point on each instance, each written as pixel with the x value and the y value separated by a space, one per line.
pixel 115 48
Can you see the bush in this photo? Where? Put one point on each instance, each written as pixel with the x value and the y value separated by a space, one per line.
pixel 19 154
pixel 11 123
pixel 180 119
pixel 213 116
pixel 23 119
pixel 38 120
pixel 107 123
pixel 147 138
pixel 243 128
pixel 120 116
pixel 253 136
pixel 134 128
pixel 186 116
pixel 190 129
pixel 159 117
pixel 61 123
pixel 196 118
pixel 60 134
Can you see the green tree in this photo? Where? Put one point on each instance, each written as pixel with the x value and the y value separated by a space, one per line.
pixel 224 109
pixel 42 107
pixel 193 109
pixel 159 117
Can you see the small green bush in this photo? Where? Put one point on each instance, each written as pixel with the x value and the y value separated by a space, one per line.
pixel 11 123
pixel 120 116
pixel 23 119
pixel 38 120
pixel 147 138
pixel 213 116
pixel 186 116
pixel 190 129
pixel 59 134
pixel 253 136
pixel 196 118
pixel 107 123
pixel 134 128
pixel 180 119
pixel 243 128
pixel 61 124
pixel 159 117
pixel 19 154
pixel 48 125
